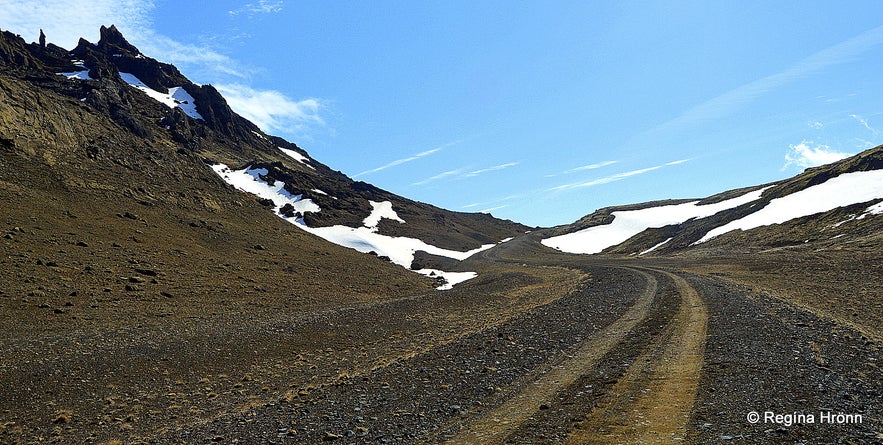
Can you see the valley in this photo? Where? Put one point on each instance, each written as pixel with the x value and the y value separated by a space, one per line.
pixel 171 274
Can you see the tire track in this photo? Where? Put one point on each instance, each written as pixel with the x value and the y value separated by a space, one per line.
pixel 652 402
pixel 494 425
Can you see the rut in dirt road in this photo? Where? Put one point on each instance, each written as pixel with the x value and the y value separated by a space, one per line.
pixel 652 402
pixel 494 425
pixel 634 381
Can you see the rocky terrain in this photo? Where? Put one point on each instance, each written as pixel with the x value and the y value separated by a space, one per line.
pixel 143 299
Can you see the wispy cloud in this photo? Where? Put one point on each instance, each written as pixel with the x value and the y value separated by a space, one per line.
pixel 864 123
pixel 461 173
pixel 614 177
pixel 261 7
pixel 441 175
pixel 594 166
pixel 806 154
pixel 732 100
pixel 581 168
pixel 497 203
pixel 205 60
pixel 491 209
pixel 492 169
pixel 407 159
pixel 271 110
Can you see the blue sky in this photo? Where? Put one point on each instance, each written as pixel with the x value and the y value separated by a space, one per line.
pixel 536 111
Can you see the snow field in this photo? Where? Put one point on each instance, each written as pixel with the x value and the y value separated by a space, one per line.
pixel 840 191
pixel 629 223
pixel 177 96
pixel 400 250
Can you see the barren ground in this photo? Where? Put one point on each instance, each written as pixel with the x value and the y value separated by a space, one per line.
pixel 541 348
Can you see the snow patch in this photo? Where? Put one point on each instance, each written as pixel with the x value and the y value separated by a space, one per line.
pixel 365 239
pixel 629 223
pixel 249 180
pixel 399 249
pixel 452 278
pixel 850 218
pixel 296 156
pixel 840 191
pixel 655 247
pixel 380 210
pixel 81 75
pixel 875 209
pixel 176 97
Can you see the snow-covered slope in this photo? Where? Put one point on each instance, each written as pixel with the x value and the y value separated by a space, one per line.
pixel 176 97
pixel 645 228
pixel 627 224
pixel 841 191
pixel 365 238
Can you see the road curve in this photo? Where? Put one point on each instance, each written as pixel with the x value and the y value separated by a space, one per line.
pixel 652 402
pixel 494 425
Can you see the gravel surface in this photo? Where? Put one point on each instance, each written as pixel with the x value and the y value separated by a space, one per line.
pixel 425 368
pixel 764 355
pixel 406 401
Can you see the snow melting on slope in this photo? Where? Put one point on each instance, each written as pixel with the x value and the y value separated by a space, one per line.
pixel 82 75
pixel 176 97
pixel 249 180
pixel 655 247
pixel 840 191
pixel 380 210
pixel 296 156
pixel 452 278
pixel 629 223
pixel 400 250
pixel 876 209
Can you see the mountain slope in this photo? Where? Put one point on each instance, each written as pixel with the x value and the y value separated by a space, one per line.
pixel 161 283
pixel 122 131
pixel 828 205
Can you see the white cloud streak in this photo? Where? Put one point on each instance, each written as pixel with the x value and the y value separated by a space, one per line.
pixel 489 210
pixel 492 169
pixel 402 161
pixel 864 123
pixel 441 175
pixel 592 166
pixel 730 101
pixel 271 110
pixel 614 177
pixel 805 155
pixel 458 173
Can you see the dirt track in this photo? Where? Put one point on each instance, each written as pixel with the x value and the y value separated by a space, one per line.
pixel 614 351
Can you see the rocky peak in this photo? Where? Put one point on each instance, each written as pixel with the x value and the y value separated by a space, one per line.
pixel 14 53
pixel 112 38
